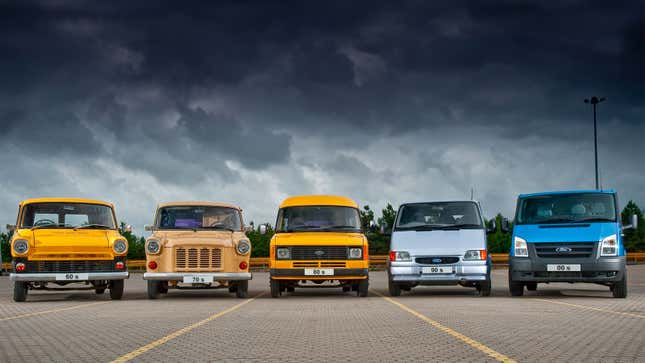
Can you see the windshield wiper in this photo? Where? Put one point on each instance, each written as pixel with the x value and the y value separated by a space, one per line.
pixel 556 220
pixel 101 226
pixel 596 219
pixel 51 225
pixel 341 227
pixel 461 225
pixel 302 228
pixel 222 228
pixel 423 227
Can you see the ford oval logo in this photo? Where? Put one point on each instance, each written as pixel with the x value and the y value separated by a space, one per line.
pixel 436 260
pixel 563 249
pixel 319 253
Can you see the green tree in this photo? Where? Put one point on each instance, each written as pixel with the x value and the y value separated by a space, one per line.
pixel 634 239
pixel 136 245
pixel 367 216
pixel 388 214
pixel 499 242
pixel 4 244
pixel 260 242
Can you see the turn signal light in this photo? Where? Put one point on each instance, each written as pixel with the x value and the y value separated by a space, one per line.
pixel 152 265
pixel 20 267
pixel 119 265
pixel 243 265
pixel 392 255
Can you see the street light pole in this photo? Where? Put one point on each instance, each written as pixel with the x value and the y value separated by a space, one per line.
pixel 594 101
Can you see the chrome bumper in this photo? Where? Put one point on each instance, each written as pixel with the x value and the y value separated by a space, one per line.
pixel 167 276
pixel 463 271
pixel 29 277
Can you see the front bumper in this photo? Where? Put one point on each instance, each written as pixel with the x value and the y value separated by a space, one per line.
pixel 91 276
pixel 464 271
pixel 339 274
pixel 604 269
pixel 217 276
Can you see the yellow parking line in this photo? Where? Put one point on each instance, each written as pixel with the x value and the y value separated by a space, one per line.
pixel 585 307
pixel 52 311
pixel 180 332
pixel 473 343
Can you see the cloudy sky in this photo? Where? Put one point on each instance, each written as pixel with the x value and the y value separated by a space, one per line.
pixel 250 102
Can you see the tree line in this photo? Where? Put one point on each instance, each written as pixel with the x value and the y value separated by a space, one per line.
pixel 379 244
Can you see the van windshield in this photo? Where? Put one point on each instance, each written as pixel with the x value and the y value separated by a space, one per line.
pixel 439 215
pixel 67 215
pixel 199 217
pixel 318 219
pixel 566 208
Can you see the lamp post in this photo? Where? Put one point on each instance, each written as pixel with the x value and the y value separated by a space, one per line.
pixel 594 101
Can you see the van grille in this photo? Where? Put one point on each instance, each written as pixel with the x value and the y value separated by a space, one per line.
pixel 319 252
pixel 436 260
pixel 321 264
pixel 564 249
pixel 198 259
pixel 70 266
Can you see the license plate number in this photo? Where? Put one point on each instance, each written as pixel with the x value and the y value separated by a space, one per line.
pixel 198 279
pixel 437 270
pixel 319 272
pixel 562 268
pixel 72 277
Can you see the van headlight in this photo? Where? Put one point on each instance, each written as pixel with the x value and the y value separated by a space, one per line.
pixel 243 247
pixel 609 246
pixel 472 255
pixel 520 247
pixel 120 246
pixel 20 246
pixel 282 253
pixel 400 256
pixel 153 247
pixel 355 253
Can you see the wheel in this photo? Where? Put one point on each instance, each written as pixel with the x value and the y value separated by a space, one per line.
pixel 291 289
pixel 154 288
pixel 275 288
pixel 363 286
pixel 484 287
pixel 620 287
pixel 163 287
pixel 20 289
pixel 515 287
pixel 116 289
pixel 100 290
pixel 232 288
pixel 242 289
pixel 531 286
pixel 393 288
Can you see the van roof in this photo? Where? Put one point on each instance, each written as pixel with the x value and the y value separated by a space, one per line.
pixel 66 200
pixel 303 200
pixel 605 191
pixel 198 204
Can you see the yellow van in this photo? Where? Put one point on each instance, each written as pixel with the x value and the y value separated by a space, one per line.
pixel 197 245
pixel 66 241
pixel 318 239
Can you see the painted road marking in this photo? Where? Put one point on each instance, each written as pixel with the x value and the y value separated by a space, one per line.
pixel 52 311
pixel 181 332
pixel 585 307
pixel 473 343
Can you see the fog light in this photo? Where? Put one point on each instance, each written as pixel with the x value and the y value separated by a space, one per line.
pixel 20 267
pixel 152 265
pixel 119 265
pixel 243 265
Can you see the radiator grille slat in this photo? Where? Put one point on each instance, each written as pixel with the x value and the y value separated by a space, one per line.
pixel 71 266
pixel 565 249
pixel 198 259
pixel 319 252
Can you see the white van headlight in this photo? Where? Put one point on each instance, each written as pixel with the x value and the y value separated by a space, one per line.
pixel 243 247
pixel 520 247
pixel 355 253
pixel 472 255
pixel 120 246
pixel 153 246
pixel 609 246
pixel 282 253
pixel 400 256
pixel 20 246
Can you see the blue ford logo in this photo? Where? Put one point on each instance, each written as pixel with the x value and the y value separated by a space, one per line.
pixel 563 249
pixel 436 260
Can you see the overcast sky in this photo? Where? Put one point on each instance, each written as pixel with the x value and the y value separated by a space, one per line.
pixel 250 103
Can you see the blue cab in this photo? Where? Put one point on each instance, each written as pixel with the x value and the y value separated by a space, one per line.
pixel 568 236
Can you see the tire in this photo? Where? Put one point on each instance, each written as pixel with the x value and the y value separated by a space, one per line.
pixel 363 287
pixel 620 288
pixel 393 288
pixel 531 286
pixel 99 291
pixel 275 288
pixel 516 288
pixel 484 287
pixel 154 288
pixel 232 288
pixel 20 289
pixel 116 289
pixel 242 289
pixel 163 287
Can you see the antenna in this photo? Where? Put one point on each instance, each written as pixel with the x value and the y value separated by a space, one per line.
pixel 472 194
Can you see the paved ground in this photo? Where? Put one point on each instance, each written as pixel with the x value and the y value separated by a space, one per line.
pixel 558 322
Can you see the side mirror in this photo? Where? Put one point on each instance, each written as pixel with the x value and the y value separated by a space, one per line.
pixel 263 229
pixel 384 229
pixel 492 226
pixel 504 226
pixel 128 229
pixel 147 227
pixel 633 225
pixel 372 226
pixel 10 227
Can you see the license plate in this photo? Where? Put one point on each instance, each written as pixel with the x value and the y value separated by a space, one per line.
pixel 319 272
pixel 437 270
pixel 562 268
pixel 198 279
pixel 72 277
